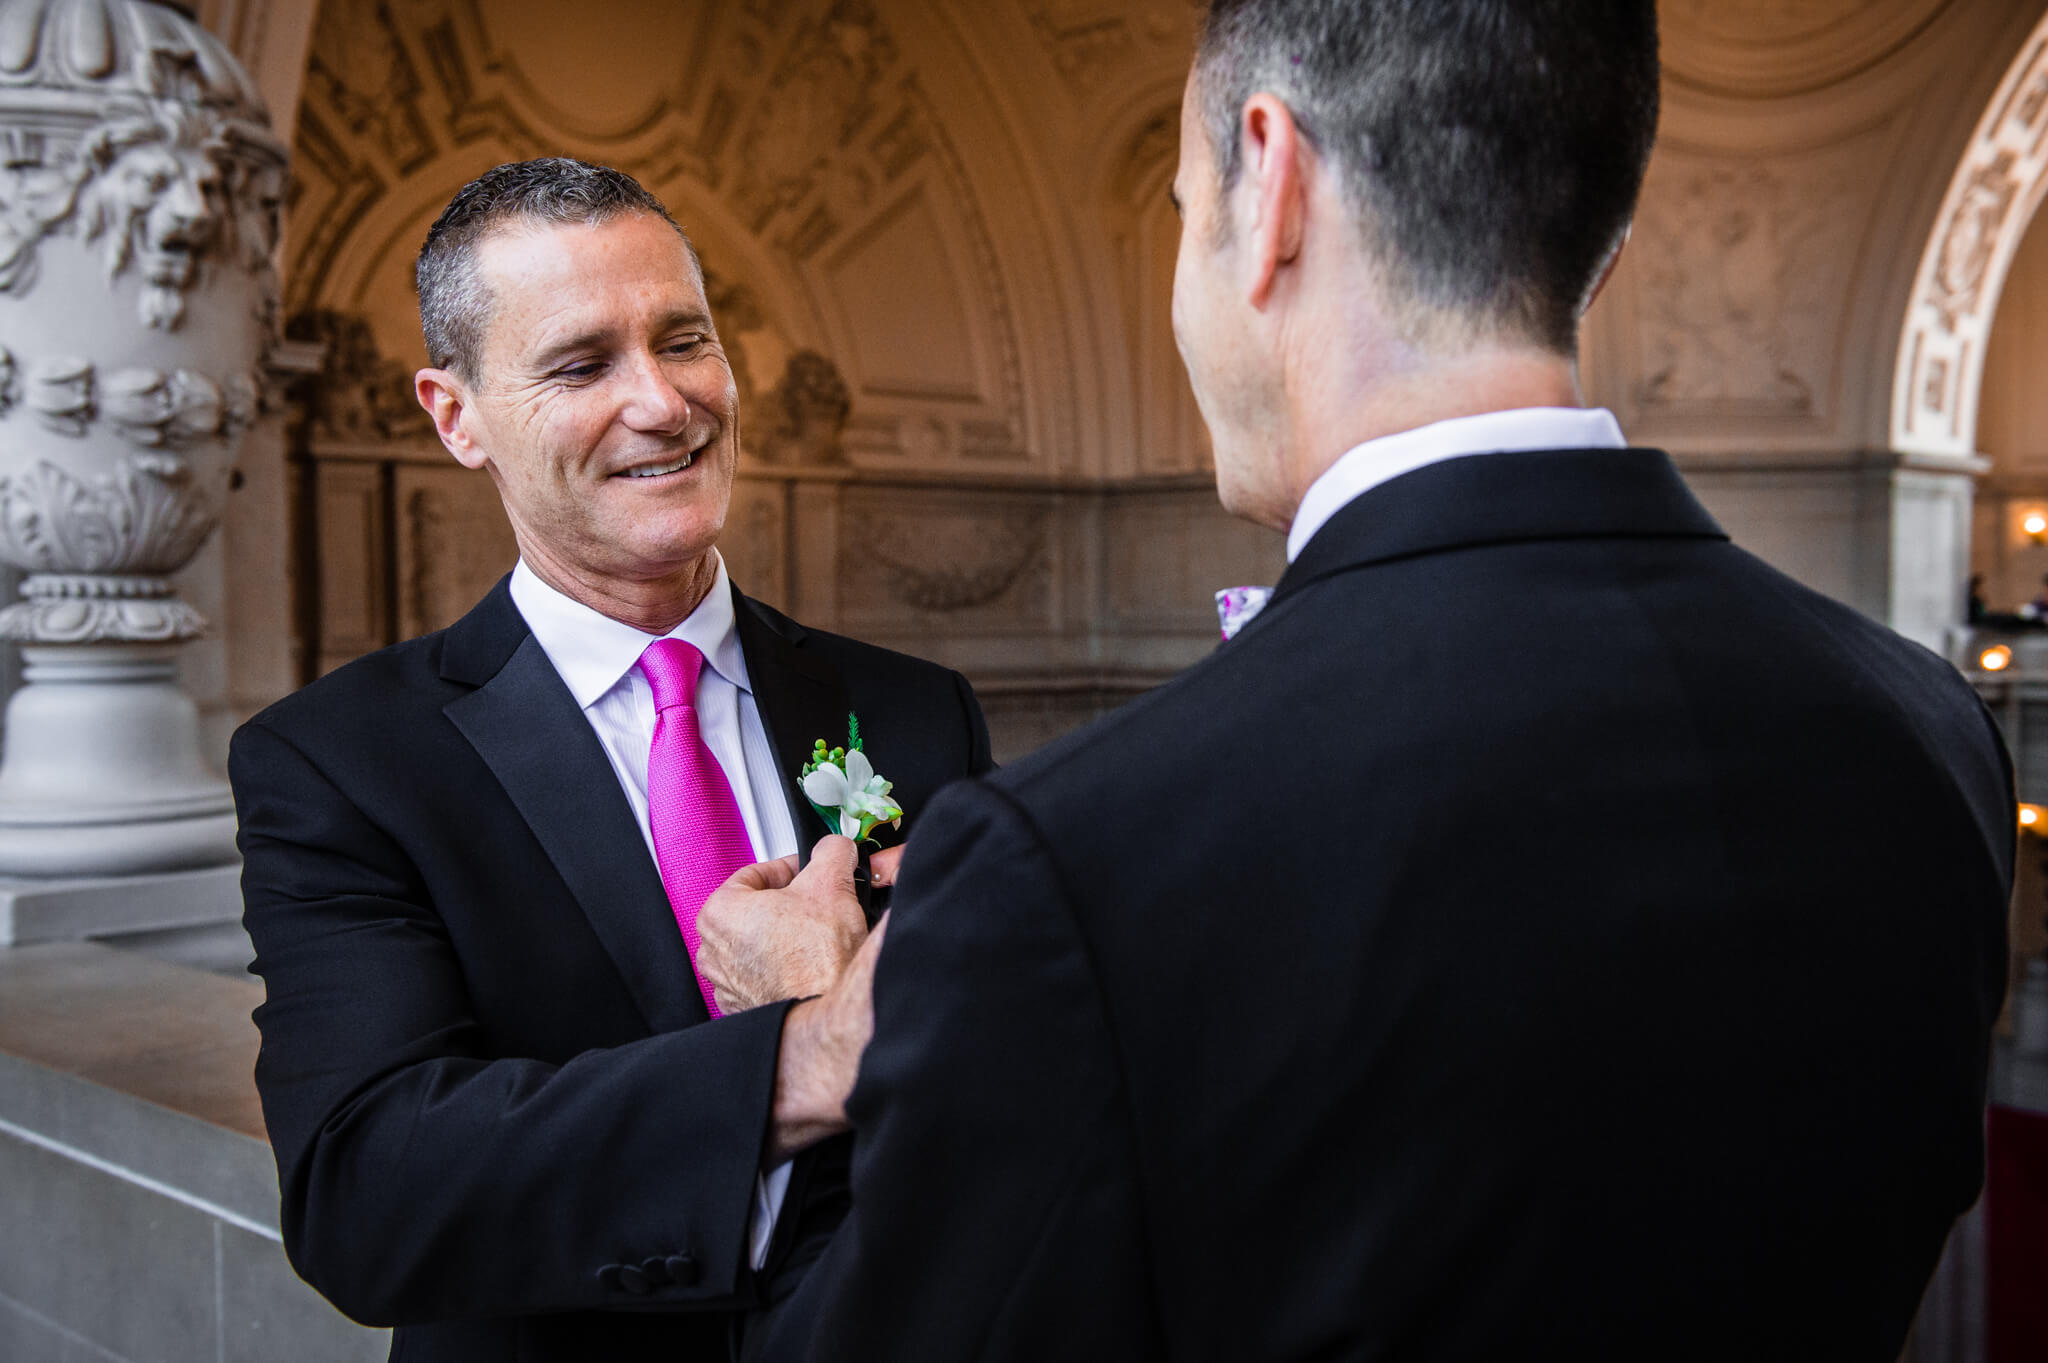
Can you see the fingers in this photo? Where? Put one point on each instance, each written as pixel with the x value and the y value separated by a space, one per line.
pixel 882 865
pixel 832 863
pixel 765 875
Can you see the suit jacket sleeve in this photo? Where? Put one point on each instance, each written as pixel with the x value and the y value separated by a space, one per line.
pixel 423 1179
pixel 995 1202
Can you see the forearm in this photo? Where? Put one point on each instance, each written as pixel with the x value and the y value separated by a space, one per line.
pixel 813 1075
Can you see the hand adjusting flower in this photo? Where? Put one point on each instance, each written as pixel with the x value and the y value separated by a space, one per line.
pixel 843 787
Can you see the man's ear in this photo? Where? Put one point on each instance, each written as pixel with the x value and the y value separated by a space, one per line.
pixel 446 399
pixel 1273 181
pixel 1607 270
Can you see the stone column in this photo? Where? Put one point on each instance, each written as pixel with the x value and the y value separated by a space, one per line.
pixel 138 214
pixel 1929 556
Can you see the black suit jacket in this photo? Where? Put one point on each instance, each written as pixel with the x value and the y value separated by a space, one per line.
pixel 498 1123
pixel 1546 932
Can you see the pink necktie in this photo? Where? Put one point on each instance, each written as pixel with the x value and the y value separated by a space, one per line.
pixel 699 837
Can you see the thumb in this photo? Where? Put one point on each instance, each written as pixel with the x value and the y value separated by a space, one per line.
pixel 831 865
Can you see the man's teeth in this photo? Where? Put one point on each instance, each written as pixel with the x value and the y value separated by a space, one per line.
pixel 656 470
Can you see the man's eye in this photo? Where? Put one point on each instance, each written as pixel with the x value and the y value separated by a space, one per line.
pixel 686 345
pixel 580 373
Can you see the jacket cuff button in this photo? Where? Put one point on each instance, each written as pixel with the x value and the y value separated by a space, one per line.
pixel 656 1271
pixel 683 1270
pixel 634 1281
pixel 608 1277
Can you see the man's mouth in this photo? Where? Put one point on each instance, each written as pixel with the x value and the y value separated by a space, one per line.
pixel 657 470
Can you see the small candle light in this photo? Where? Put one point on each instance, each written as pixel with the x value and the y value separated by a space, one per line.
pixel 1995 659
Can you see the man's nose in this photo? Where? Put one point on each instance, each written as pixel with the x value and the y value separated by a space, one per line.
pixel 655 404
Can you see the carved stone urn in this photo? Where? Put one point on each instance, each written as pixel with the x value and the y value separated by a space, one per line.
pixel 138 212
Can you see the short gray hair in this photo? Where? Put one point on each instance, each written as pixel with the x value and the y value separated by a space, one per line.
pixel 1490 151
pixel 454 304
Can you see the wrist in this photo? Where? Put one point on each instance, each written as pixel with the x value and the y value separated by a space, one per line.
pixel 810 1096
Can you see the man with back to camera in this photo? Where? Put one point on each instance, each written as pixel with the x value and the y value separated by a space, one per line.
pixel 504 1119
pixel 1544 932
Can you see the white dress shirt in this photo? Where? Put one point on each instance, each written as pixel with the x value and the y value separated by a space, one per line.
pixel 1364 467
pixel 596 658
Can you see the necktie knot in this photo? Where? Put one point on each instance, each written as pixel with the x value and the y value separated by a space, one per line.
pixel 671 667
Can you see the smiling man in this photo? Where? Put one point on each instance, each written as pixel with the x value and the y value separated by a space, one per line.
pixel 507 1115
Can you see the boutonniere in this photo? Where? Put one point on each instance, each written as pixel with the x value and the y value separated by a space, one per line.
pixel 843 786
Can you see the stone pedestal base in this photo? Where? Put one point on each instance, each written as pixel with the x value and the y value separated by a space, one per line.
pixel 102 772
pixel 67 910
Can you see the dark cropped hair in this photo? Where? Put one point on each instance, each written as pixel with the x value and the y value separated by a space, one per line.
pixel 1490 151
pixel 454 304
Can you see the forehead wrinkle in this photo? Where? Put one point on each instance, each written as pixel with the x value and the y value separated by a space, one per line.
pixel 542 326
pixel 567 323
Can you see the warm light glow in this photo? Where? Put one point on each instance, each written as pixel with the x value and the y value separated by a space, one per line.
pixel 2031 816
pixel 2035 523
pixel 1996 659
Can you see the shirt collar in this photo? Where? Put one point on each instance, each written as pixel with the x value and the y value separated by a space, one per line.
pixel 594 652
pixel 1364 467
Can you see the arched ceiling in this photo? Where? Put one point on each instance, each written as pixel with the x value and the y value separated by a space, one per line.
pixel 1773 48
pixel 934 197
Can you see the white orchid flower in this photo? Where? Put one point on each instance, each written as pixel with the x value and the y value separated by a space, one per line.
pixel 827 787
pixel 855 791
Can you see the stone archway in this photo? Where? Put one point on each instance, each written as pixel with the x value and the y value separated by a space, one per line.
pixel 1998 184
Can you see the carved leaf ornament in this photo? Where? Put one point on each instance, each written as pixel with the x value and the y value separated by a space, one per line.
pixel 144 518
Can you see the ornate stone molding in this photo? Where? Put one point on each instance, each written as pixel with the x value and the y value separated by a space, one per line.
pixel 1091 41
pixel 961 563
pixel 1990 202
pixel 152 408
pixel 1738 268
pixel 132 125
pixel 807 413
pixel 63 609
pixel 360 395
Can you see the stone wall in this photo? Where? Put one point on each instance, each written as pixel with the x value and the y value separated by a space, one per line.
pixel 137 1188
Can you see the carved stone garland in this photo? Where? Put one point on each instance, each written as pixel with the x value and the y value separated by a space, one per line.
pixel 139 193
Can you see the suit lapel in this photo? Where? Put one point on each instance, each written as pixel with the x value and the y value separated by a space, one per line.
pixel 801 699
pixel 529 730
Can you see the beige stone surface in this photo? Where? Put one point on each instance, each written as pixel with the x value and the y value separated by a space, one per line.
pixel 170 1035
